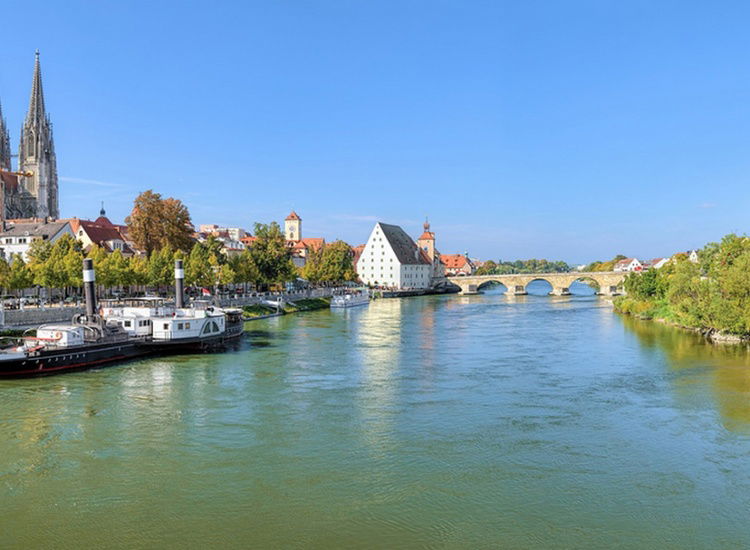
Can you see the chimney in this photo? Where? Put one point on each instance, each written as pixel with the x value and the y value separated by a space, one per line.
pixel 179 282
pixel 89 287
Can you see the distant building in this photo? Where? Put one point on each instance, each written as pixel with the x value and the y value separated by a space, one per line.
pixel 692 256
pixel 656 263
pixel 301 246
pixel 426 244
pixel 390 258
pixel 19 234
pixel 102 233
pixel 628 264
pixel 457 264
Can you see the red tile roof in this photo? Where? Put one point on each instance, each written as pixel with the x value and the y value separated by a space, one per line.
pixel 454 261
pixel 427 236
pixel 293 216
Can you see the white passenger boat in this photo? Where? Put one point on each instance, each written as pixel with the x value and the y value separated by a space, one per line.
pixel 350 299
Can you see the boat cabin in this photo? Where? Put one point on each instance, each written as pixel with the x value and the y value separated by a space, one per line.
pixel 60 335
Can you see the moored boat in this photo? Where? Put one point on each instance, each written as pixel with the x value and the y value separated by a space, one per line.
pixel 350 299
pixel 117 332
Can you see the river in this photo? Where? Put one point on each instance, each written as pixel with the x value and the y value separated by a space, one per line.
pixel 437 422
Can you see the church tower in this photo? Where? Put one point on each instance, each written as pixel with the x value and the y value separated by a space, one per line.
pixel 426 241
pixel 4 143
pixel 37 152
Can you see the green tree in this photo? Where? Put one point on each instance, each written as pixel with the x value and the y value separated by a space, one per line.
pixel 271 256
pixel 20 276
pixel 161 267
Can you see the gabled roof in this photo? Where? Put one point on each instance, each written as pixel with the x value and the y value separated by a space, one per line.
pixel 427 236
pixel 293 216
pixel 405 249
pixel 626 261
pixel 454 261
pixel 37 229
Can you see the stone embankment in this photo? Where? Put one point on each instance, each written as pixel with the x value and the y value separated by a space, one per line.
pixel 32 317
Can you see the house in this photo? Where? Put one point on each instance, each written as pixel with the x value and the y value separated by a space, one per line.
pixel 656 263
pixel 457 264
pixel 692 256
pixel 628 264
pixel 301 246
pixel 17 236
pixel 390 258
pixel 102 233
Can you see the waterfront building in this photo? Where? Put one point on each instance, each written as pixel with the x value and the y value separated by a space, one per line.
pixel 36 195
pixel 390 258
pixel 17 235
pixel 426 243
pixel 457 264
pixel 628 264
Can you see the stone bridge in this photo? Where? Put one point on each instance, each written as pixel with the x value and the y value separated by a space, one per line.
pixel 609 282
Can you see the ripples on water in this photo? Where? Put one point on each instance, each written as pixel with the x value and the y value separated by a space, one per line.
pixel 481 421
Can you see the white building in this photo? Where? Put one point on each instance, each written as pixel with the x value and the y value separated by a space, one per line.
pixel 628 264
pixel 392 259
pixel 18 236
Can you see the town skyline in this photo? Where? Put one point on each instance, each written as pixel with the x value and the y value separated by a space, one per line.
pixel 503 169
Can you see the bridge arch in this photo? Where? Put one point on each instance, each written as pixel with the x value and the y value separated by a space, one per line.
pixel 493 284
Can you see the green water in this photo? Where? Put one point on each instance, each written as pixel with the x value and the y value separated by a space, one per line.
pixel 440 422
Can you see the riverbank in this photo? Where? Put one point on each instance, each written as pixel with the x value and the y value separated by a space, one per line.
pixel 660 312
pixel 262 311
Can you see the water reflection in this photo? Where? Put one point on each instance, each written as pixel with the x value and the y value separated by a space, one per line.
pixel 720 373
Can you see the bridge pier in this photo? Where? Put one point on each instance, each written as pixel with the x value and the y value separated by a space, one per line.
pixel 470 289
pixel 608 290
pixel 560 291
pixel 516 290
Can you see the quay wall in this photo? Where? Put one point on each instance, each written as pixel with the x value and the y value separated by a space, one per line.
pixel 35 316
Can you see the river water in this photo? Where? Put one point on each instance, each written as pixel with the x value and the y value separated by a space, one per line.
pixel 437 422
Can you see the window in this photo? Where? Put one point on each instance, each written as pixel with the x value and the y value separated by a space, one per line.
pixel 166 326
pixel 187 326
pixel 179 326
pixel 126 324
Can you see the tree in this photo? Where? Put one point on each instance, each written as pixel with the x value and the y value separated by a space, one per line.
pixel 155 223
pixel 270 254
pixel 161 267
pixel 20 275
pixel 331 263
pixel 198 270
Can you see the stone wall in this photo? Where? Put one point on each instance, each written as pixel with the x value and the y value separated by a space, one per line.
pixel 37 316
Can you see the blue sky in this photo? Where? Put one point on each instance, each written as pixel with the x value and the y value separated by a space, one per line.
pixel 567 130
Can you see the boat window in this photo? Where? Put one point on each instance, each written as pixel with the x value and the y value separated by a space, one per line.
pixel 166 326
pixel 187 325
pixel 126 323
pixel 214 327
pixel 179 326
pixel 206 328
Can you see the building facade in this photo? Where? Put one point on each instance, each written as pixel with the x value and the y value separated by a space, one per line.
pixel 17 237
pixel 34 195
pixel 457 264
pixel 391 259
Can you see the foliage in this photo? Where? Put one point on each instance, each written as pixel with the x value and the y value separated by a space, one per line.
pixel 270 254
pixel 604 266
pixel 331 263
pixel 157 223
pixel 522 266
pixel 712 294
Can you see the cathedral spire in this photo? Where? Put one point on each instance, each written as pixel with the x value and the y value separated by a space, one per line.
pixel 36 154
pixel 36 112
pixel 4 143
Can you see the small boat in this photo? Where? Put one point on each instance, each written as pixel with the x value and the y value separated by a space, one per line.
pixel 350 299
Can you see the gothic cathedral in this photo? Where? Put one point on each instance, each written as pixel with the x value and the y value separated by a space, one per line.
pixel 34 195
